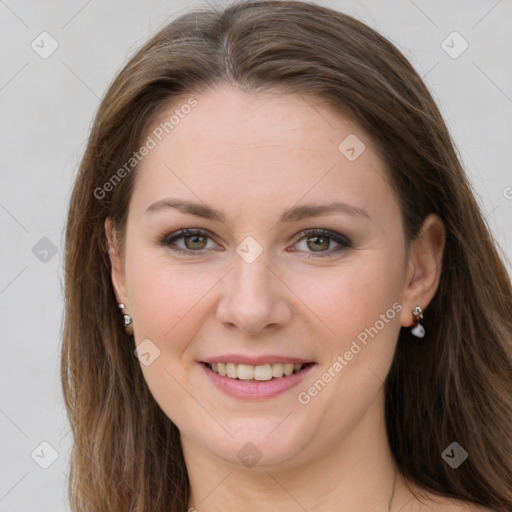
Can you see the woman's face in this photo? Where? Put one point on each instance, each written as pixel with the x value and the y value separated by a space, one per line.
pixel 260 285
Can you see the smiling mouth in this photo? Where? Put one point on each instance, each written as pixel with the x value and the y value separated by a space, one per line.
pixel 262 372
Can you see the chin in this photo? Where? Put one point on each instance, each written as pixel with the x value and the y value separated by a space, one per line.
pixel 262 444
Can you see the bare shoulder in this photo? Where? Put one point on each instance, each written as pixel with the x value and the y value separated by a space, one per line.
pixel 458 506
pixel 437 504
pixel 421 500
pixel 465 507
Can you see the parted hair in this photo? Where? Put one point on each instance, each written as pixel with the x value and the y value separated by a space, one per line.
pixel 454 385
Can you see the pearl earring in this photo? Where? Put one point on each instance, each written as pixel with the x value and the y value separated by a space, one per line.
pixel 418 330
pixel 127 319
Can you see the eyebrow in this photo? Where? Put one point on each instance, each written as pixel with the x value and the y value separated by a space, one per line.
pixel 294 214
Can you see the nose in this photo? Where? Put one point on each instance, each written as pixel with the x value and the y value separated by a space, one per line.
pixel 254 298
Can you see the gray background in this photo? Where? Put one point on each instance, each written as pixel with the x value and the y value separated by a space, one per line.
pixel 47 107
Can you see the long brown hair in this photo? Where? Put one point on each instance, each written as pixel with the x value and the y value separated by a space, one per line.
pixel 457 386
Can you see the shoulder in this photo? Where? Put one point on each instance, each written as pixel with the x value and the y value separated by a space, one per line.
pixel 421 500
pixel 458 506
pixel 446 505
pixel 437 504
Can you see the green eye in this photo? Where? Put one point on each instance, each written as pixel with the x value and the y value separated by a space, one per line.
pixel 318 242
pixel 194 240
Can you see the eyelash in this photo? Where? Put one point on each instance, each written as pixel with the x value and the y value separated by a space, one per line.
pixel 343 241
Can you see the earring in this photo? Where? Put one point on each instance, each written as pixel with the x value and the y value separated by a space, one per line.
pixel 127 319
pixel 418 330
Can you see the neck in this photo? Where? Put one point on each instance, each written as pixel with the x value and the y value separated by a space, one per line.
pixel 354 473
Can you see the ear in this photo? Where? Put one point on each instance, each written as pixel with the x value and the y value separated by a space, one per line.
pixel 424 267
pixel 118 278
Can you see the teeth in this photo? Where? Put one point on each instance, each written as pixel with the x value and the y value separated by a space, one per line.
pixel 288 368
pixel 245 372
pixel 260 372
pixel 277 370
pixel 231 370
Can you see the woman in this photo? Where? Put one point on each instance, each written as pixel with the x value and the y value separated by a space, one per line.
pixel 280 290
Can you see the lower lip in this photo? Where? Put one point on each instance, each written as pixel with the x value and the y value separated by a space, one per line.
pixel 251 390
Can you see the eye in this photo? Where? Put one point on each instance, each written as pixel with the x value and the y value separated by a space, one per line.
pixel 194 241
pixel 318 242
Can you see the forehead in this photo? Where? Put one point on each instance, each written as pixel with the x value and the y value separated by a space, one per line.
pixel 229 117
pixel 253 149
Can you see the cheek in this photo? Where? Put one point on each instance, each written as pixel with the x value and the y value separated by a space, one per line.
pixel 158 299
pixel 360 304
pixel 168 304
pixel 353 296
pixel 167 299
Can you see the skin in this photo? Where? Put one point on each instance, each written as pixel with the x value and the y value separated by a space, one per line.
pixel 236 152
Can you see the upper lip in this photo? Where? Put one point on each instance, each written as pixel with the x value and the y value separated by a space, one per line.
pixel 255 360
